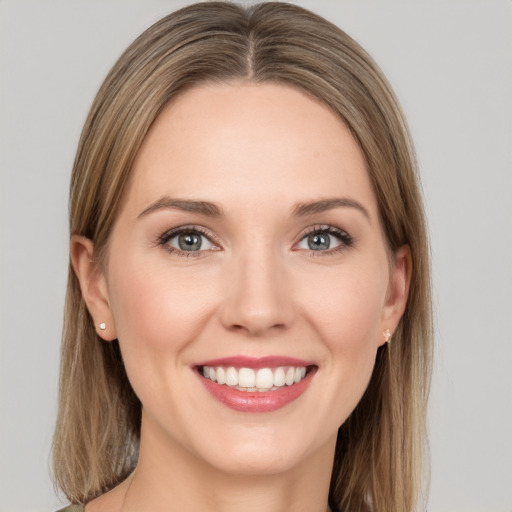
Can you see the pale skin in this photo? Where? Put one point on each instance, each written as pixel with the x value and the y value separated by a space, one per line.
pixel 256 286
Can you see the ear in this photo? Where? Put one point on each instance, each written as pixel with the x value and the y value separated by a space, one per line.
pixel 93 286
pixel 398 290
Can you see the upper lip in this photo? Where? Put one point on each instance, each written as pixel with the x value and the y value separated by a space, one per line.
pixel 256 362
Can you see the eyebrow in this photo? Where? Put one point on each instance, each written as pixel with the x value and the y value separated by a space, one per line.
pixel 186 205
pixel 212 210
pixel 310 208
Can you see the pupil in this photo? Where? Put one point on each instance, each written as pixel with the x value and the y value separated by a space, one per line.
pixel 189 242
pixel 318 242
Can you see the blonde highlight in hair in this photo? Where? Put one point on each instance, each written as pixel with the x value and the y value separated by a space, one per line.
pixel 379 454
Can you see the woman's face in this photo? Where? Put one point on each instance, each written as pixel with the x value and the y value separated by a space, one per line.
pixel 249 249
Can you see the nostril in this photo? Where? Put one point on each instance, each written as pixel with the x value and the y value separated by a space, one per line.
pixel 256 306
pixel 255 328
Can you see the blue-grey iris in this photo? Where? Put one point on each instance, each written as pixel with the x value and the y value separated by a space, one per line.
pixel 319 241
pixel 189 242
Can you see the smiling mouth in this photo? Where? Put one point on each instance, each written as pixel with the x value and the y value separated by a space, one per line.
pixel 255 380
pixel 256 384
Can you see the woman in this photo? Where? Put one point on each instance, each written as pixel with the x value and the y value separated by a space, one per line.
pixel 248 311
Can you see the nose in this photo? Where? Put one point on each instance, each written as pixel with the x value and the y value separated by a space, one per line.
pixel 259 296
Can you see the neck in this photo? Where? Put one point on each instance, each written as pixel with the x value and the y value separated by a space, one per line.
pixel 170 478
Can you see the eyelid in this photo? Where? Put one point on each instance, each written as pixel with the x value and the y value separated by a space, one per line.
pixel 189 228
pixel 345 239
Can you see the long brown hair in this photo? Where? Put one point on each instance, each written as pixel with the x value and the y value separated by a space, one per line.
pixel 379 454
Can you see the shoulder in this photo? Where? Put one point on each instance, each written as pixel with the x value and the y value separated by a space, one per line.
pixel 72 508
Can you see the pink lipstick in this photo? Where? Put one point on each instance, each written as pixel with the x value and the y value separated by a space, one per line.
pixel 251 384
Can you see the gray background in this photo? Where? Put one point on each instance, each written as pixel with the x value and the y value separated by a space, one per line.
pixel 450 63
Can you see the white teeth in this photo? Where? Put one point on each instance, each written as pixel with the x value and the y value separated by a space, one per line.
pixel 264 378
pixel 247 379
pixel 279 377
pixel 231 377
pixel 221 376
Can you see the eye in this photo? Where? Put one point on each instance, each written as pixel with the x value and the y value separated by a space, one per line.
pixel 325 239
pixel 190 242
pixel 186 240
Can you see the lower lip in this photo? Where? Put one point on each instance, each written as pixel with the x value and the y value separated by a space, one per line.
pixel 249 401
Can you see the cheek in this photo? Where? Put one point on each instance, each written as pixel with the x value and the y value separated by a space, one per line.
pixel 347 318
pixel 157 314
pixel 347 313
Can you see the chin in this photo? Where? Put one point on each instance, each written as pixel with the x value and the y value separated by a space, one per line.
pixel 257 461
pixel 263 451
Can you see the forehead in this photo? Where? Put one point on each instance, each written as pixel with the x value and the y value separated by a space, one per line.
pixel 251 143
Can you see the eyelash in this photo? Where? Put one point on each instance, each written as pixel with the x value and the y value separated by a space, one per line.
pixel 169 235
pixel 346 241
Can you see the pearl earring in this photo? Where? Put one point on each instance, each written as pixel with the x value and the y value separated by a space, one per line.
pixel 103 326
pixel 387 335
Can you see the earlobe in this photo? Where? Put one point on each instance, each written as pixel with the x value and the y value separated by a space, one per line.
pixel 398 291
pixel 93 286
